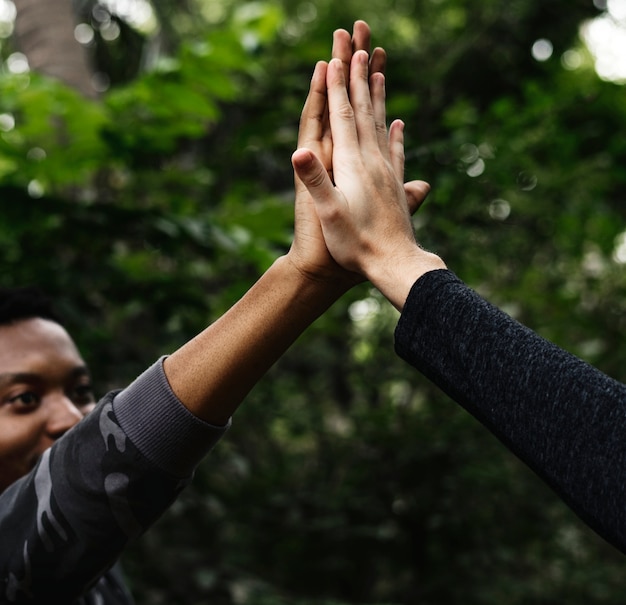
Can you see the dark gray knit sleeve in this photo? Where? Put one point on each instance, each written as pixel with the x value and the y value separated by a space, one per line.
pixel 161 427
pixel 558 414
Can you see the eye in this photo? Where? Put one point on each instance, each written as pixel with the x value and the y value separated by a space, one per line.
pixel 82 394
pixel 25 401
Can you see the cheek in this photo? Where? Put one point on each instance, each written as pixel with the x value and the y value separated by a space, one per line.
pixel 22 441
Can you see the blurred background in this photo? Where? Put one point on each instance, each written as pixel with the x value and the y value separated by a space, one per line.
pixel 145 182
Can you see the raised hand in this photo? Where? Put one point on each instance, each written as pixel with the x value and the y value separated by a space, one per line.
pixel 309 252
pixel 362 206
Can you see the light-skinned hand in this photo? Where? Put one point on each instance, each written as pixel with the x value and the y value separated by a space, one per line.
pixel 309 252
pixel 363 207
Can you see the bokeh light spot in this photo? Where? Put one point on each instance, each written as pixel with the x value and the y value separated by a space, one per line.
pixel 35 189
pixel 7 122
pixel 542 49
pixel 476 169
pixel 83 33
pixel 571 59
pixel 499 210
pixel 18 63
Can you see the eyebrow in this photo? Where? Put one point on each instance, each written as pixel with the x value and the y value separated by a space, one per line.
pixel 9 378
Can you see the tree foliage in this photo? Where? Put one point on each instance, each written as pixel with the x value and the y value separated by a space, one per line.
pixel 346 478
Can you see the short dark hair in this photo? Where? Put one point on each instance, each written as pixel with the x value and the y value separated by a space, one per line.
pixel 26 302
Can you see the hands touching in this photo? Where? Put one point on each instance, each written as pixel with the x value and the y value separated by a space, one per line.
pixel 212 373
pixel 310 252
pixel 361 204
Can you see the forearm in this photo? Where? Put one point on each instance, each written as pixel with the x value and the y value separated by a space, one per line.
pixel 561 416
pixel 213 373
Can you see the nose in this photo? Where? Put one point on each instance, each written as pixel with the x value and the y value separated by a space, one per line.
pixel 63 415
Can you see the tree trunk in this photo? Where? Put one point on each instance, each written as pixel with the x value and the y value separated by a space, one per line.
pixel 44 31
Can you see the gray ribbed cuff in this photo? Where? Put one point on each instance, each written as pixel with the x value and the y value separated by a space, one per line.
pixel 161 427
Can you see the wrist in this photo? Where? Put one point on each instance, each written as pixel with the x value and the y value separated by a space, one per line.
pixel 395 277
pixel 319 278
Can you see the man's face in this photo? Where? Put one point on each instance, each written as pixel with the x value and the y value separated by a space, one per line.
pixel 45 389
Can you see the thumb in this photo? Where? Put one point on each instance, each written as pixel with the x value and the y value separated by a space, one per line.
pixel 312 173
pixel 416 192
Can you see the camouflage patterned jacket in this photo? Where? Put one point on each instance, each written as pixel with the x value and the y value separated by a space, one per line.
pixel 64 525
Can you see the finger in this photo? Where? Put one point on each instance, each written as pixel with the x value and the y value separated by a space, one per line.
pixel 341 114
pixel 342 50
pixel 378 61
pixel 378 95
pixel 313 175
pixel 344 47
pixel 361 99
pixel 361 36
pixel 416 192
pixel 361 40
pixel 315 107
pixel 314 127
pixel 396 147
